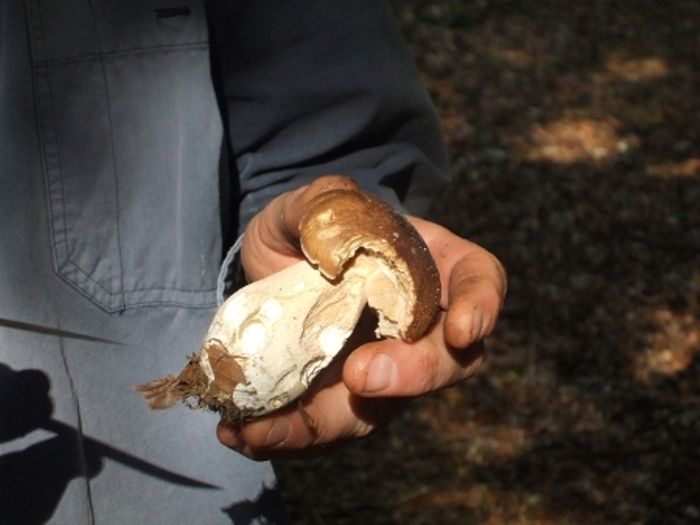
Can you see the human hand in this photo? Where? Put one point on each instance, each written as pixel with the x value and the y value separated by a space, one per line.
pixel 377 375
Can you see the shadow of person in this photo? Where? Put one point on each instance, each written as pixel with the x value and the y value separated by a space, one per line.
pixel 33 480
pixel 25 404
pixel 268 506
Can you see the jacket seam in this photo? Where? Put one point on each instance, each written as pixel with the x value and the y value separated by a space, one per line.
pixel 129 51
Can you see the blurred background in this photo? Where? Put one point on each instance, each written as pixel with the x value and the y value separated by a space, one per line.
pixel 574 135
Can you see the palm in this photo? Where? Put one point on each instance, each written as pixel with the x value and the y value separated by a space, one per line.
pixel 473 288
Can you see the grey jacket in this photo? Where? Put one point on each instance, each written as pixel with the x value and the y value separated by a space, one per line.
pixel 136 141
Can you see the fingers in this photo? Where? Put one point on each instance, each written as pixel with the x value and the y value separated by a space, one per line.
pixel 473 284
pixel 394 368
pixel 330 417
pixel 271 240
pixel 377 375
pixel 377 379
pixel 476 292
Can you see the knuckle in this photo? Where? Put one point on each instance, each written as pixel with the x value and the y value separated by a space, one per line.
pixel 429 366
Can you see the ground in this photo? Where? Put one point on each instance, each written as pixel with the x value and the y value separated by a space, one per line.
pixel 573 134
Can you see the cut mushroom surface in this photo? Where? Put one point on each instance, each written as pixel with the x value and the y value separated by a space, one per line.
pixel 271 339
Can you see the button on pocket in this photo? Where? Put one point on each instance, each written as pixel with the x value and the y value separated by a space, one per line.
pixel 131 140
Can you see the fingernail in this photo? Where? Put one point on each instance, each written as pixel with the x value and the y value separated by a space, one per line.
pixel 278 433
pixel 477 323
pixel 229 435
pixel 382 374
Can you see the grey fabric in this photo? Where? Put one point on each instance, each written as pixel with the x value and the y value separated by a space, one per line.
pixel 127 163
pixel 97 108
pixel 317 87
pixel 231 276
pixel 110 245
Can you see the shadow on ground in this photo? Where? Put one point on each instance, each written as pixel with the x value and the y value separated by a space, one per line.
pixel 574 139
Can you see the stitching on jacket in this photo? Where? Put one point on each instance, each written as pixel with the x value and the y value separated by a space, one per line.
pixel 130 290
pixel 150 303
pixel 169 48
pixel 65 267
pixel 115 175
pixel 51 181
pixel 80 440
pixel 202 304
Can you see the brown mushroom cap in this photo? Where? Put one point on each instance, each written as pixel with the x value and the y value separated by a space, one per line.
pixel 338 225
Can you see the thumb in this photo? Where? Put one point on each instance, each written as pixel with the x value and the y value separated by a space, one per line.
pixel 271 240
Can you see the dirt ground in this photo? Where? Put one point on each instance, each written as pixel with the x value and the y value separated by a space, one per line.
pixel 574 135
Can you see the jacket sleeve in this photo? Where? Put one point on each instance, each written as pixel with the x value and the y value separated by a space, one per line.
pixel 312 87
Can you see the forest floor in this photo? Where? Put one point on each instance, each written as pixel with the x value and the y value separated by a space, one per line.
pixel 574 135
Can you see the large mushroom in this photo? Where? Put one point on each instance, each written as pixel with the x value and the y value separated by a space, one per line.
pixel 272 338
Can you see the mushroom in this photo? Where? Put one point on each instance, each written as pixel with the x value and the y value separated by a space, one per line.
pixel 271 339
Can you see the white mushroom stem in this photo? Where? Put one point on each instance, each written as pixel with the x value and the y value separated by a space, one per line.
pixel 273 331
pixel 284 329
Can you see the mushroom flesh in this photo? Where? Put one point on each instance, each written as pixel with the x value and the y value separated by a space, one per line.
pixel 271 339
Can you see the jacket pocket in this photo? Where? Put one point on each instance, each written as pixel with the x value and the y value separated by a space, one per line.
pixel 131 136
